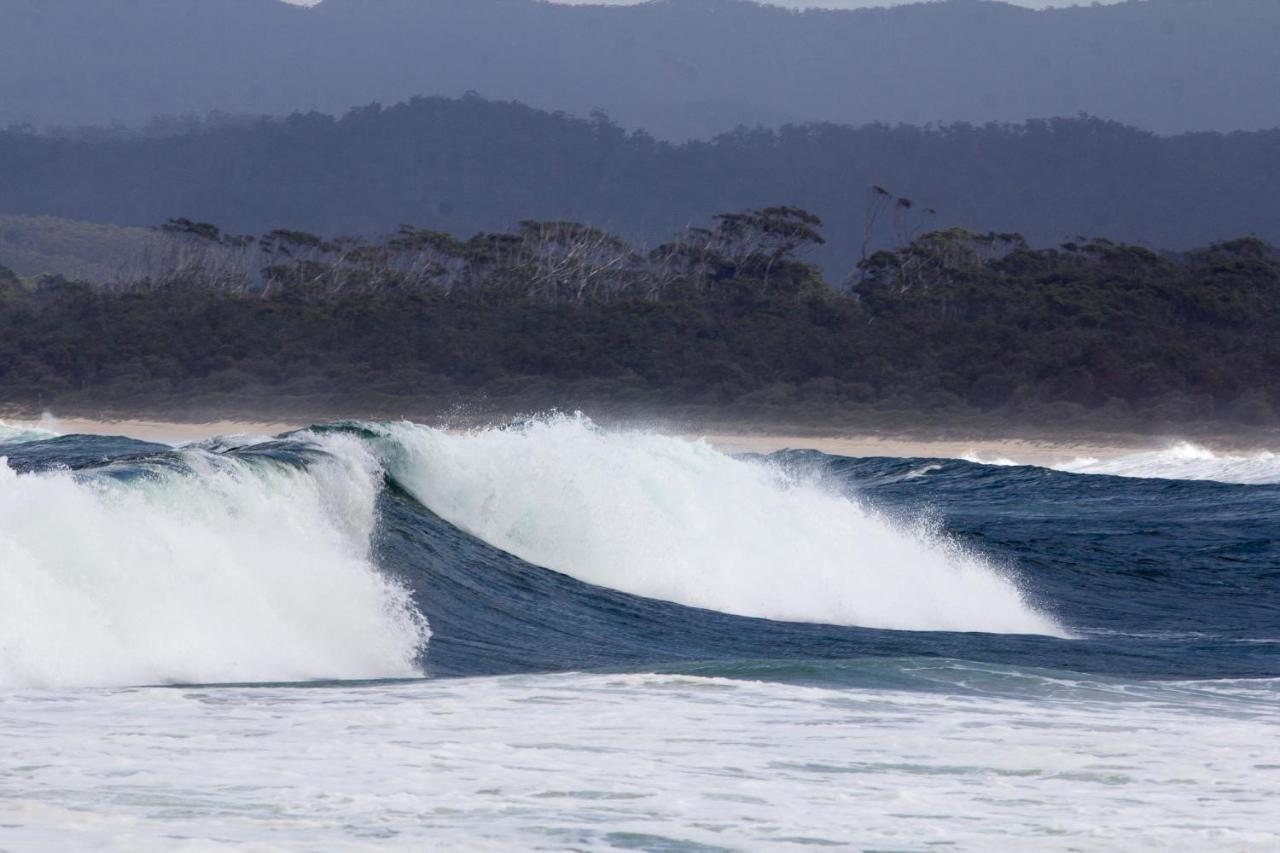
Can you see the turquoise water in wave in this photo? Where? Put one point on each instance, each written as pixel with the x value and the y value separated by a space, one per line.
pixel 552 636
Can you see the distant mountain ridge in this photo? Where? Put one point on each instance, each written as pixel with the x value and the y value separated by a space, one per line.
pixel 467 165
pixel 679 68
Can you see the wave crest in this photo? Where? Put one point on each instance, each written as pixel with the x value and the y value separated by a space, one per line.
pixel 676 520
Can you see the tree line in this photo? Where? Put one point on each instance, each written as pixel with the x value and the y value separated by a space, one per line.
pixel 730 320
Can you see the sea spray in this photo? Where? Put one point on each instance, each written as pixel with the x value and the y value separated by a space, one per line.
pixel 677 520
pixel 217 570
pixel 21 433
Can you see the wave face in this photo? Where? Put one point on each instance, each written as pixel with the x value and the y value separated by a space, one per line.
pixel 198 567
pixel 675 520
pixel 1185 461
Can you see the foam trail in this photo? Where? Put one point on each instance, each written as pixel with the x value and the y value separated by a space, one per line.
pixel 1185 461
pixel 235 572
pixel 676 520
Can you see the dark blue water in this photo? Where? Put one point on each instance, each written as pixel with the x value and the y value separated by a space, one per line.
pixel 1157 578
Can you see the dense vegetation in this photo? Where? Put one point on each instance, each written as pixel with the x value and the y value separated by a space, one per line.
pixel 470 165
pixel 722 321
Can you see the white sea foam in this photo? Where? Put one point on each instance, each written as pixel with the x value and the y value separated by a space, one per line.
pixel 677 520
pixel 1184 461
pixel 596 762
pixel 238 573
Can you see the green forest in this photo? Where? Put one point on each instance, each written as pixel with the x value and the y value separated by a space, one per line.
pixel 727 320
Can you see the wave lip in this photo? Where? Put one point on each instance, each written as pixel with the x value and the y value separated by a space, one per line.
pixel 232 571
pixel 670 519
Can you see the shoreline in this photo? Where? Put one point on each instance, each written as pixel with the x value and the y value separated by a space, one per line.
pixel 751 438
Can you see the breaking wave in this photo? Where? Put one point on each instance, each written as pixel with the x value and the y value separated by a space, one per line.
pixel 676 520
pixel 206 569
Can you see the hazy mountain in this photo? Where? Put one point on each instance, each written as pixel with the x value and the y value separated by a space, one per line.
pixel 470 164
pixel 677 68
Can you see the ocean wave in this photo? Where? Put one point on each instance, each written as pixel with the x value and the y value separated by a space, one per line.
pixel 15 434
pixel 1184 461
pixel 215 570
pixel 676 520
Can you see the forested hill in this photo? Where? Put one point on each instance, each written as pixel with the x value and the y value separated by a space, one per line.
pixel 679 68
pixel 473 165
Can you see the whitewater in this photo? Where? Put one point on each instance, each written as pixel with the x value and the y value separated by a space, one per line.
pixel 223 572
pixel 547 634
pixel 1179 460
pixel 1185 460
pixel 680 521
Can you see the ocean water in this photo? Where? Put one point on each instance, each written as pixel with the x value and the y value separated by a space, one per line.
pixel 553 636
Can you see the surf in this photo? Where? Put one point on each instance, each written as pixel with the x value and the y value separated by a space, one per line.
pixel 202 568
pixel 676 520
pixel 1185 461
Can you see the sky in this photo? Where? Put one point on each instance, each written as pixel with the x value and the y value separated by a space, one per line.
pixel 832 4
pixel 810 4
